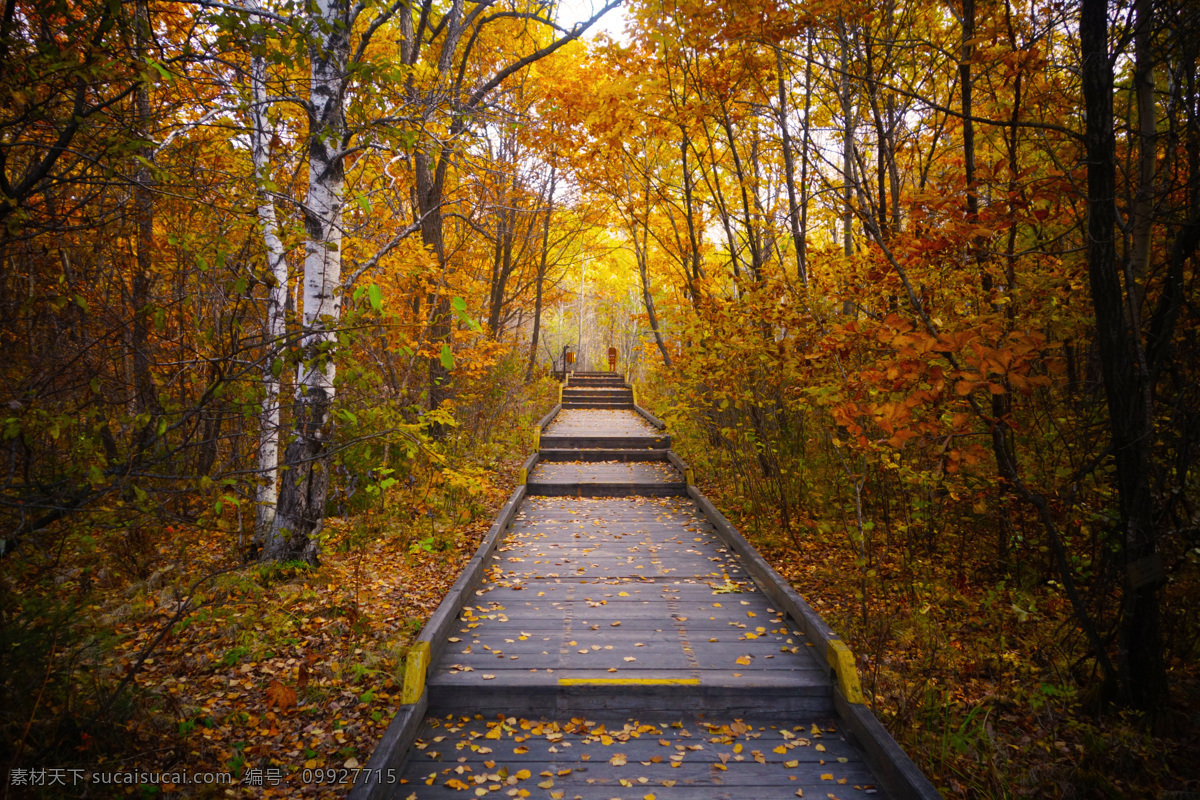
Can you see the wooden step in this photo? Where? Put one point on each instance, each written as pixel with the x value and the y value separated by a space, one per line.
pixel 686 756
pixel 589 391
pixel 607 489
pixel 607 479
pixel 574 454
pixel 597 404
pixel 600 441
pixel 566 693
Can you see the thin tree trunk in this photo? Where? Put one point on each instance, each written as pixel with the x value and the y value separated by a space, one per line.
pixel 267 494
pixel 1142 214
pixel 642 256
pixel 848 305
pixel 789 173
pixel 689 207
pixel 301 511
pixel 144 395
pixel 804 143
pixel 541 277
pixel 1142 665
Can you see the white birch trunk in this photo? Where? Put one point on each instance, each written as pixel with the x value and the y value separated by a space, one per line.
pixel 274 327
pixel 300 512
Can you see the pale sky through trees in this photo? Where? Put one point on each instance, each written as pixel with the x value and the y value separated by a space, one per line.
pixel 613 23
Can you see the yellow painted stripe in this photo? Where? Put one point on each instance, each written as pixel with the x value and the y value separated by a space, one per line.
pixel 629 681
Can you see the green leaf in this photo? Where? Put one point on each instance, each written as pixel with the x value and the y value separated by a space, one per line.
pixel 447 357
pixel 458 304
pixel 375 295
pixel 161 70
pixel 363 202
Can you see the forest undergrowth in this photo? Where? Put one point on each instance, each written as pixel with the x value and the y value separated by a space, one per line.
pixel 974 662
pixel 157 649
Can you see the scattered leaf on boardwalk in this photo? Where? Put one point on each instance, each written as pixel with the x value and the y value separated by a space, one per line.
pixel 618 760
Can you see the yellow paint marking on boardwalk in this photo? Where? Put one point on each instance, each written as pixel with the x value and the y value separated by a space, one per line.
pixel 629 681
pixel 414 673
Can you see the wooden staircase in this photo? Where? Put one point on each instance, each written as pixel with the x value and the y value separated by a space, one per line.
pixel 615 637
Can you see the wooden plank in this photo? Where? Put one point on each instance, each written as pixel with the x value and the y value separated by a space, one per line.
pixel 770 581
pixel 390 754
pixel 588 441
pixel 598 489
pixel 653 420
pixel 545 421
pixel 606 472
pixel 445 616
pixel 573 454
pixel 621 422
pixel 892 767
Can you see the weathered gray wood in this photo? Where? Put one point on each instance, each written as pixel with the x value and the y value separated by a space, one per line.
pixel 574 454
pixel 556 441
pixel 390 754
pixel 677 462
pixel 606 472
pixel 695 755
pixel 894 770
pixel 634 606
pixel 653 420
pixel 771 582
pixel 545 421
pixel 443 619
pixel 597 489
pixel 530 463
pixel 620 422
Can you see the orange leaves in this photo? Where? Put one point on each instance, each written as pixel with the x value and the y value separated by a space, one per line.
pixel 281 696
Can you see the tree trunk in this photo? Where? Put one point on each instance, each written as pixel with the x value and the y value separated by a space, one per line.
pixel 267 494
pixel 1142 214
pixel 642 256
pixel 145 399
pixel 848 305
pixel 789 173
pixel 804 142
pixel 1142 666
pixel 541 277
pixel 301 511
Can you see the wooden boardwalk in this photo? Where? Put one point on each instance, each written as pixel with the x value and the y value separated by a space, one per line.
pixel 612 643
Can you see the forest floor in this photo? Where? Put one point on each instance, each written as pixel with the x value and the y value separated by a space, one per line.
pixel 974 679
pixel 284 675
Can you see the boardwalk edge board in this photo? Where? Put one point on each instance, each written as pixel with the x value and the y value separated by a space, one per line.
pixel 389 754
pixel 897 773
pixel 653 420
pixel 379 778
pixel 546 420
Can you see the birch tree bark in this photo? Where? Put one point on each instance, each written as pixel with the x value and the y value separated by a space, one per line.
pixel 274 324
pixel 301 509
